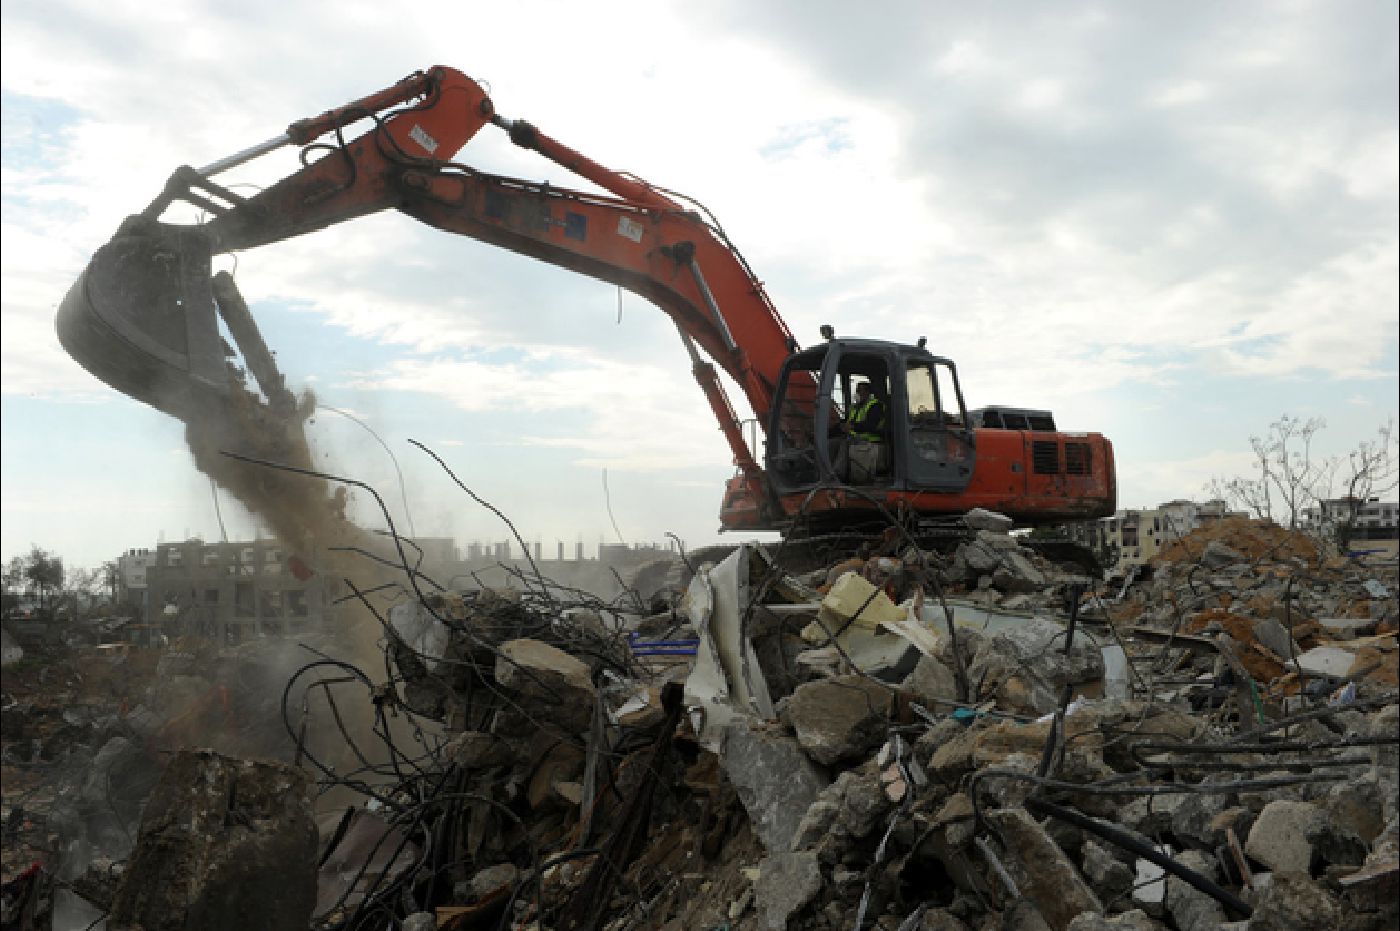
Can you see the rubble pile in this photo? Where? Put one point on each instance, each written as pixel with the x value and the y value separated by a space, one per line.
pixel 87 734
pixel 903 739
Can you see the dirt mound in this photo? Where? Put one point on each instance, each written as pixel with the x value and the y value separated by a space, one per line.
pixel 1254 539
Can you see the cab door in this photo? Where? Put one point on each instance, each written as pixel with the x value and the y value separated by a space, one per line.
pixel 940 449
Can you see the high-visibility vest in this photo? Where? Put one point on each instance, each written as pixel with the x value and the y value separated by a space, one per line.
pixel 858 414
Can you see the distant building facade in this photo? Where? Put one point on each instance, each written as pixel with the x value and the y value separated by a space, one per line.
pixel 1132 537
pixel 132 567
pixel 1375 524
pixel 230 591
pixel 236 591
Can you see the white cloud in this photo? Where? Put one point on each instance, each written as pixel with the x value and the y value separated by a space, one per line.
pixel 1155 481
pixel 1042 94
pixel 624 416
pixel 1181 94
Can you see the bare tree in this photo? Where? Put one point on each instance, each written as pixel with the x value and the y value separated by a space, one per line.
pixel 14 582
pixel 1289 475
pixel 85 589
pixel 1371 470
pixel 1244 494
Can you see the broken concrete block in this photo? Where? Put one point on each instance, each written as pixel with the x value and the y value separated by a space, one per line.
pixel 225 845
pixel 863 803
pixel 1386 723
pixel 1275 636
pixel 1192 821
pixel 1149 816
pixel 1008 743
pixel 978 556
pixel 953 758
pixel 1293 902
pixel 941 919
pixel 552 684
pixel 1358 806
pixel 820 817
pixel 788 881
pixel 1135 920
pixel 1326 661
pixel 1109 876
pixel 1191 909
pixel 983 519
pixel 854 601
pixel 419 921
pixel 775 780
pixel 1042 872
pixel 1016 573
pixel 1217 555
pixel 1347 628
pixel 1024 666
pixel 881 655
pixel 931 681
pixel 484 882
pixel 1281 836
pixel 1023 915
pixel 838 719
pixel 981 556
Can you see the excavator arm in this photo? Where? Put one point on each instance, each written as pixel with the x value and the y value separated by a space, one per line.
pixel 142 317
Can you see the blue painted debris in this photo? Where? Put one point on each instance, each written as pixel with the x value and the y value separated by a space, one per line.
pixel 642 647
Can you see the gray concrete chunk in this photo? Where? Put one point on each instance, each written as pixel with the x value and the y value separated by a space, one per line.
pixel 1041 870
pixel 775 780
pixel 839 719
pixel 1280 837
pixel 215 829
pixel 787 882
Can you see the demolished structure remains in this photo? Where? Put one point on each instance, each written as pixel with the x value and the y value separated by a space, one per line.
pixel 759 739
pixel 917 725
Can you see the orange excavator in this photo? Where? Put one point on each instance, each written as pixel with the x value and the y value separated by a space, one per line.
pixel 144 317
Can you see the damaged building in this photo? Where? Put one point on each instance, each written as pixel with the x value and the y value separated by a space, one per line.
pixel 231 592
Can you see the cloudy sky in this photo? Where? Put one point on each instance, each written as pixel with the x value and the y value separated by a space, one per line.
pixel 1170 223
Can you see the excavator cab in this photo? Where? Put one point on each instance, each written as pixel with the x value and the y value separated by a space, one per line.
pixel 924 442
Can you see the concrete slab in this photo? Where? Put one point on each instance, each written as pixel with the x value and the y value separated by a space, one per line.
pixel 1327 661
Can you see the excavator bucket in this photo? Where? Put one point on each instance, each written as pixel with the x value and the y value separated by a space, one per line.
pixel 142 318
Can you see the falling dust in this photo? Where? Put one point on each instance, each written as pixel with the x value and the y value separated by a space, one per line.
pixel 255 447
